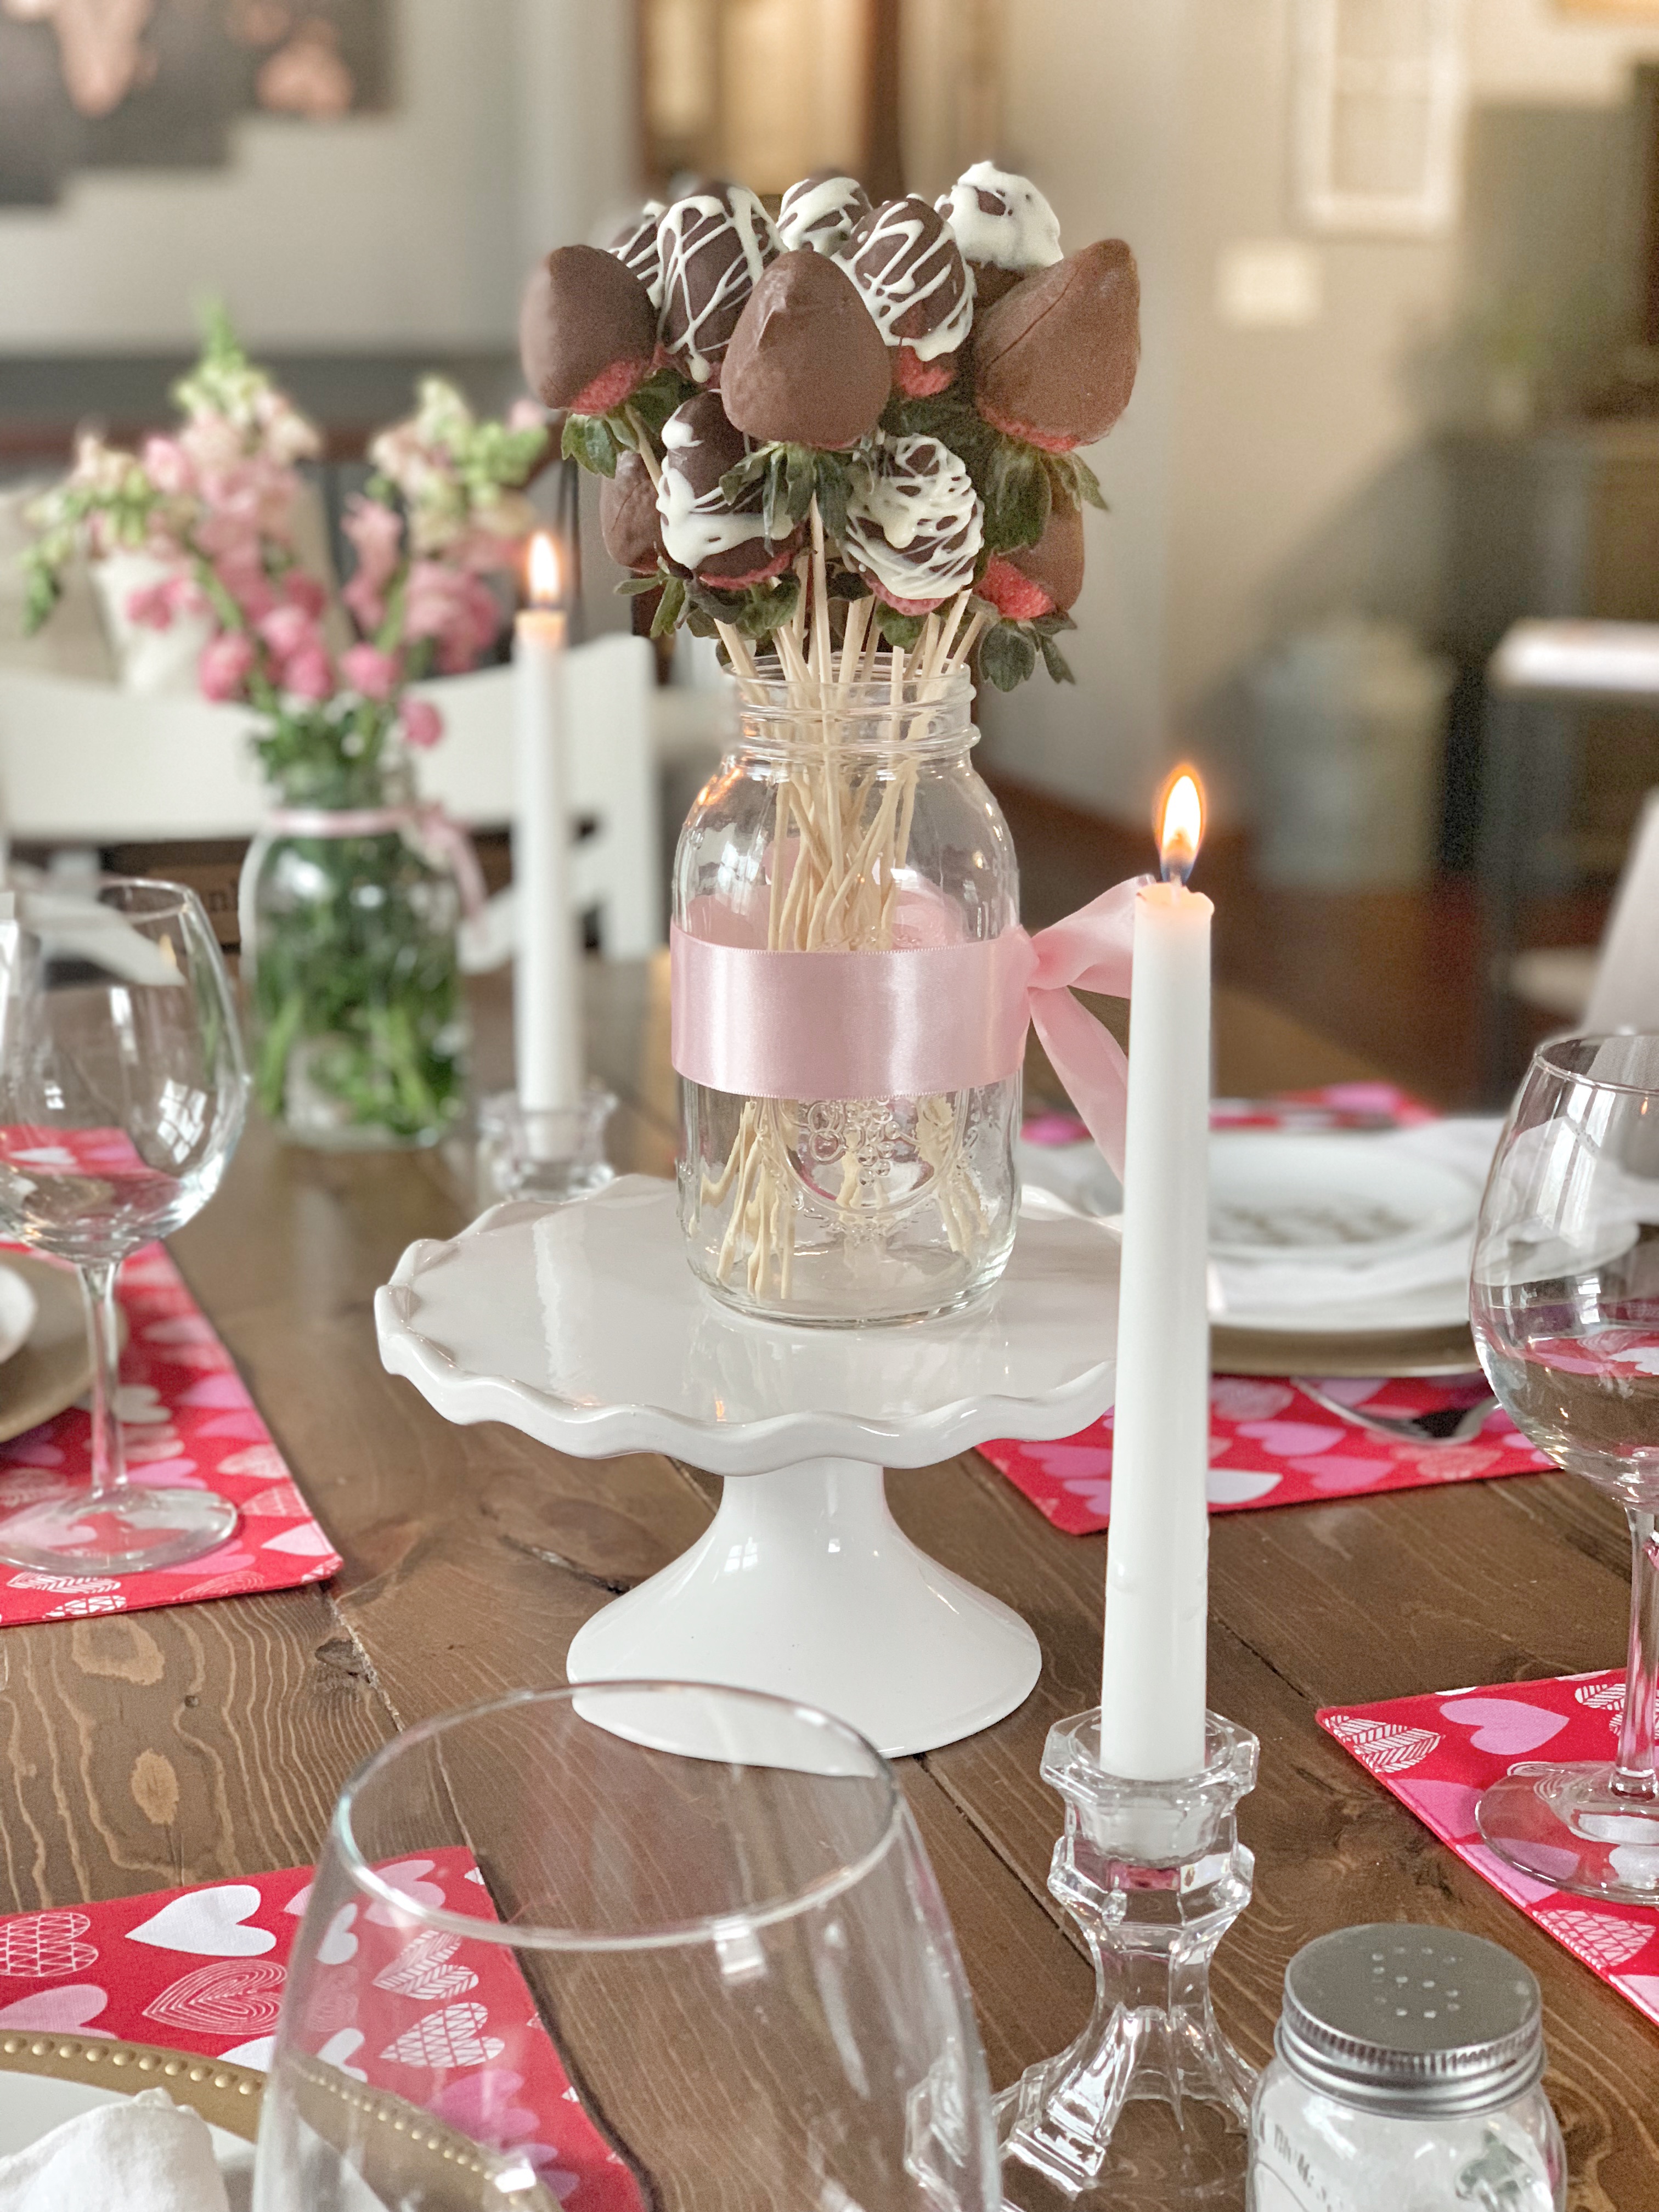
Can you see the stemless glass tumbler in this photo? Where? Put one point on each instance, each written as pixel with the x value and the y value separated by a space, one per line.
pixel 122 1095
pixel 627 1948
pixel 1564 1300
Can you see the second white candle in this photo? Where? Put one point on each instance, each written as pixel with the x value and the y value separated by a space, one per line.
pixel 1152 1695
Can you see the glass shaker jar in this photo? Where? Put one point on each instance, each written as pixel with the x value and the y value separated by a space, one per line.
pixel 1407 2078
pixel 847 822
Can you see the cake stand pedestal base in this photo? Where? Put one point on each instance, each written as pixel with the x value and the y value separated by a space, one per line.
pixel 806 1586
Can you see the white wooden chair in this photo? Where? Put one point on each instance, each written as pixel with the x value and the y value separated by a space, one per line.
pixel 1614 985
pixel 85 764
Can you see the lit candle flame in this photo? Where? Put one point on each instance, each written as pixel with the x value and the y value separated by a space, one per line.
pixel 546 571
pixel 1181 825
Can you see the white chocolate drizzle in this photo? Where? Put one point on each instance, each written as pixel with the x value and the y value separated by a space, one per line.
pixel 638 249
pixel 696 526
pixel 901 257
pixel 914 521
pixel 997 217
pixel 821 212
pixel 725 232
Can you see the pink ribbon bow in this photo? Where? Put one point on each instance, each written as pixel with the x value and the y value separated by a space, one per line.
pixel 929 1017
pixel 1092 949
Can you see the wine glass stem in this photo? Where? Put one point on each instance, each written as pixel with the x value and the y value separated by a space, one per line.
pixel 109 1466
pixel 1633 1774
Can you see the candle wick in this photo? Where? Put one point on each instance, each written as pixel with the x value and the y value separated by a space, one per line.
pixel 1175 863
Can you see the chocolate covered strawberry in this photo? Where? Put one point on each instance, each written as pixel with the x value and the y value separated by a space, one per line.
pixel 915 524
pixel 1003 227
pixel 806 365
pixel 635 246
pixel 1055 359
pixel 916 285
pixel 587 333
pixel 714 243
pixel 720 542
pixel 1044 579
pixel 629 521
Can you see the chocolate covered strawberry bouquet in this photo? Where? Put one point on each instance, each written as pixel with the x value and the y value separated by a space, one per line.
pixel 851 429
pixel 845 441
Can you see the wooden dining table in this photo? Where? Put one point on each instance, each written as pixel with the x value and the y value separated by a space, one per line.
pixel 210 1740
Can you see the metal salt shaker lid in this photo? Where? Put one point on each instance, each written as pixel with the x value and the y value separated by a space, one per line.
pixel 1423 2022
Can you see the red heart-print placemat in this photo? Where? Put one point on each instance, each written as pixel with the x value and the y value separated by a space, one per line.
pixel 1437 1754
pixel 186 1418
pixel 1270 1443
pixel 447 2023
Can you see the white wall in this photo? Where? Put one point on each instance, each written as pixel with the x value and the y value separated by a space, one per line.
pixel 511 128
pixel 1260 477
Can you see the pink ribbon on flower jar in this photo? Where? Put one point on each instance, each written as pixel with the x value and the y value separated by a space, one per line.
pixel 908 1023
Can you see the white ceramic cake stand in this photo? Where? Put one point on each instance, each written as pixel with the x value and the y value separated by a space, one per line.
pixel 582 1325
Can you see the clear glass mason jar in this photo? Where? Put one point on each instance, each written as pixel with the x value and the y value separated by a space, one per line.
pixel 851 823
pixel 350 964
pixel 1407 2078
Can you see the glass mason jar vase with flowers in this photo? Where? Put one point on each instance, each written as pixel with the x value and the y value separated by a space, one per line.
pixel 352 894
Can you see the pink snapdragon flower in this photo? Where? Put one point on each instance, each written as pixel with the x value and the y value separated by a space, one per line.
pixel 159 606
pixel 453 609
pixel 226 663
pixel 423 724
pixel 307 591
pixel 241 574
pixel 168 466
pixel 376 532
pixel 309 675
pixel 288 631
pixel 368 670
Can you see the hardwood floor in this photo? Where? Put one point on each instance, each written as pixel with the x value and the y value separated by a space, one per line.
pixel 1395 976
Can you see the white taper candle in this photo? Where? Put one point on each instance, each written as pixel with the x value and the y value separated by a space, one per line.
pixel 546 976
pixel 1152 1689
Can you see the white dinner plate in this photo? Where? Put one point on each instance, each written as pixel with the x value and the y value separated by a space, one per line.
pixel 1330 1197
pixel 18 1309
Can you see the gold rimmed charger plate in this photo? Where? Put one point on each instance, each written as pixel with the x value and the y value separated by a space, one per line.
pixel 54 1368
pixel 226 2096
pixel 1425 1352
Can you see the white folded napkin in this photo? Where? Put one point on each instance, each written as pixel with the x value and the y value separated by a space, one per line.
pixel 144 2154
pixel 1242 1287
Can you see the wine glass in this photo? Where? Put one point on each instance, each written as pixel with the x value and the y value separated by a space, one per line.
pixel 122 1095
pixel 626 1946
pixel 1565 1299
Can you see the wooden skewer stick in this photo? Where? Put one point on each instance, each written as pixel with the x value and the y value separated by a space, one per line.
pixel 648 451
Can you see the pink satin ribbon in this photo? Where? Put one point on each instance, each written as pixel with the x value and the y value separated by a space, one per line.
pixel 432 826
pixel 910 1022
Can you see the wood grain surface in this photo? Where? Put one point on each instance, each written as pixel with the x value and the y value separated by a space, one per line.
pixel 210 1740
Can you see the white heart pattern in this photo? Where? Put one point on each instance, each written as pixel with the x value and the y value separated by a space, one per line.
pixel 420 1969
pixel 1384 1747
pixel 339 1943
pixel 209 1921
pixel 40 1946
pixel 257 2054
pixel 449 2038
pixel 225 1998
pixel 339 2048
pixel 1595 1937
pixel 1600 1695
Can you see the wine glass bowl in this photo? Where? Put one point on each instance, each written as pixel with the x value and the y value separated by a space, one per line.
pixel 642 1945
pixel 122 1096
pixel 1564 1303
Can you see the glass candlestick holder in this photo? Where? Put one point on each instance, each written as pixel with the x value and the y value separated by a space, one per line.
pixel 1150 2107
pixel 555 1152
